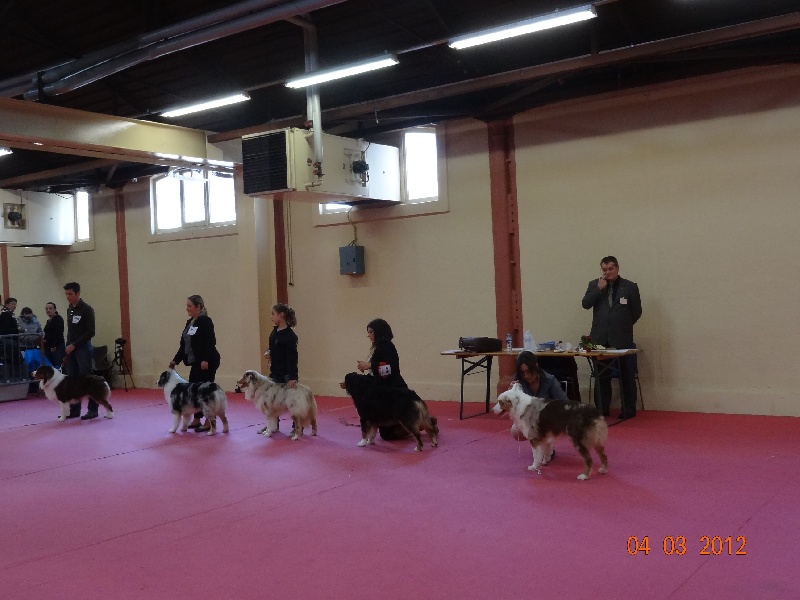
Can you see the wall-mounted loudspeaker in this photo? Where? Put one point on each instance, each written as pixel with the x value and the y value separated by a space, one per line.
pixel 351 260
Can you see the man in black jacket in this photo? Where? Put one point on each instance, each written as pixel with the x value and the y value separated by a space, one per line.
pixel 80 331
pixel 616 306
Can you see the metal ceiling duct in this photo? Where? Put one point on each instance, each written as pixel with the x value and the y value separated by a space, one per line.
pixel 199 30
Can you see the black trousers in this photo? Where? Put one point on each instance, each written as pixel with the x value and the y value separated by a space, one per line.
pixel 198 375
pixel 625 368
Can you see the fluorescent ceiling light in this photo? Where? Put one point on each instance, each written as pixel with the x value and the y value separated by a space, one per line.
pixel 556 19
pixel 4 151
pixel 363 66
pixel 179 112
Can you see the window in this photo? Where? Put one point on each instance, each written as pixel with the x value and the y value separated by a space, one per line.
pixel 82 229
pixel 419 161
pixel 190 198
pixel 420 171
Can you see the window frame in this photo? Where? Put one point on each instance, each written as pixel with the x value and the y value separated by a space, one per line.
pixel 195 227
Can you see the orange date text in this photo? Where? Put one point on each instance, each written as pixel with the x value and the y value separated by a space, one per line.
pixel 676 545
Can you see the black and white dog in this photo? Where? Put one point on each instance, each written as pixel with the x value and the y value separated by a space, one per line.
pixel 542 420
pixel 185 399
pixel 383 406
pixel 71 389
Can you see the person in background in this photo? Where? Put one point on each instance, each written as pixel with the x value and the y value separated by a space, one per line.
pixel 78 351
pixel 8 321
pixel 616 306
pixel 282 350
pixel 54 336
pixel 10 354
pixel 30 326
pixel 536 382
pixel 198 350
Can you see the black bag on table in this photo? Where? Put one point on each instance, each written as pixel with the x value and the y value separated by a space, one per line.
pixel 480 344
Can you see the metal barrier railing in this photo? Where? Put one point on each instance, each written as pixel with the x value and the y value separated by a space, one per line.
pixel 18 353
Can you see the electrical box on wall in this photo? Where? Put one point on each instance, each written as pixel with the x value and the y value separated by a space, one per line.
pixel 351 260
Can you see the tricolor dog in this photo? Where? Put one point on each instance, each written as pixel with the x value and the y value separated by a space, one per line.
pixel 542 420
pixel 185 399
pixel 71 389
pixel 271 399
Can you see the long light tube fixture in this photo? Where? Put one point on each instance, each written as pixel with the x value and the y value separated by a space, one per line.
pixel 363 66
pixel 4 151
pixel 540 23
pixel 179 112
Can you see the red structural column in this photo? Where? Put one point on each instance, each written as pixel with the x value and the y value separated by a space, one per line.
pixel 281 275
pixel 122 269
pixel 505 235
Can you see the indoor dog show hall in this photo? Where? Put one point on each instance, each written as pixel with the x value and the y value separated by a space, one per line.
pixel 430 194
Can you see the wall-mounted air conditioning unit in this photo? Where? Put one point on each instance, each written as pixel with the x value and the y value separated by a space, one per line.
pixel 281 164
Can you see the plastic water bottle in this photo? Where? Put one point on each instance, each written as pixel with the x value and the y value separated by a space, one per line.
pixel 528 339
pixel 509 345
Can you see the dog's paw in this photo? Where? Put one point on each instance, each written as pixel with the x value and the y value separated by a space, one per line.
pixel 60 419
pixel 225 429
pixel 363 443
pixel 603 469
pixel 263 430
pixel 583 477
pixel 295 437
pixel 417 449
pixel 211 432
pixel 534 468
pixel 267 433
pixel 108 415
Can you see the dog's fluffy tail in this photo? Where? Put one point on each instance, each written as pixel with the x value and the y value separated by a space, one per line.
pixel 597 436
pixel 428 422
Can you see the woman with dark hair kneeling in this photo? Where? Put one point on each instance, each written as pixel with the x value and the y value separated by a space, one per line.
pixel 383 368
pixel 536 382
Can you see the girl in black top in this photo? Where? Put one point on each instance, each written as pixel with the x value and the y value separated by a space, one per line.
pixel 282 351
pixel 198 350
pixel 54 335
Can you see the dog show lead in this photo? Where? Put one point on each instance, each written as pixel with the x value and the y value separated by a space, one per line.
pixel 281 353
pixel 198 351
pixel 80 331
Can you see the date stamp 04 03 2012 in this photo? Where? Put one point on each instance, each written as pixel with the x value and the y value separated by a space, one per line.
pixel 708 545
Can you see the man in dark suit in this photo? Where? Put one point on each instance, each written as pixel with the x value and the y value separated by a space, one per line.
pixel 616 306
pixel 80 331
